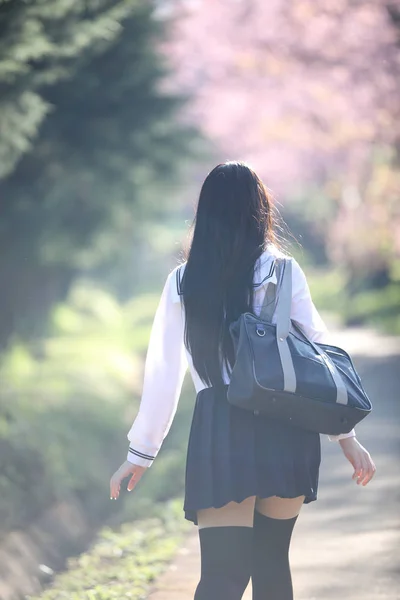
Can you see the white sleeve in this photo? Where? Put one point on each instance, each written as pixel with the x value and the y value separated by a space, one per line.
pixel 305 314
pixel 163 378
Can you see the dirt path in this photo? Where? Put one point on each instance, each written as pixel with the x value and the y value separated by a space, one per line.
pixel 347 544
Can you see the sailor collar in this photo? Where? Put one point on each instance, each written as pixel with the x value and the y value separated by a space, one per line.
pixel 264 272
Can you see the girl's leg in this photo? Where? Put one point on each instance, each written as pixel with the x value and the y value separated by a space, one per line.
pixel 274 519
pixel 225 543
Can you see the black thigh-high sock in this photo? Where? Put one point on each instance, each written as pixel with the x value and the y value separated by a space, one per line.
pixel 271 578
pixel 226 554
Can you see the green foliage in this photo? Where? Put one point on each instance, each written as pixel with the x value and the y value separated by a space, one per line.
pixel 309 213
pixel 377 307
pixel 40 42
pixel 72 395
pixel 380 308
pixel 122 563
pixel 328 288
pixel 90 146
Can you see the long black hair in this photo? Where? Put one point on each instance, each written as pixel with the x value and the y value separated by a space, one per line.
pixel 233 225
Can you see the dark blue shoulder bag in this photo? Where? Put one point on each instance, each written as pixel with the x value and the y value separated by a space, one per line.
pixel 280 373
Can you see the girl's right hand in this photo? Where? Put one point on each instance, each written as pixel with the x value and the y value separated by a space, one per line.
pixel 360 458
pixel 127 469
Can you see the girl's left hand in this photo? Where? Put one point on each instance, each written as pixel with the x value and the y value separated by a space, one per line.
pixel 360 458
pixel 126 469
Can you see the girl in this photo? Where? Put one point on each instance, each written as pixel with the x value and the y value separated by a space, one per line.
pixel 247 476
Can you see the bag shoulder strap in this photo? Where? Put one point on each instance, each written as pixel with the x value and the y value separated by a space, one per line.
pixel 270 297
pixel 284 301
pixel 279 297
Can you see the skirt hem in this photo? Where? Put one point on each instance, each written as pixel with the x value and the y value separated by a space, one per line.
pixel 191 512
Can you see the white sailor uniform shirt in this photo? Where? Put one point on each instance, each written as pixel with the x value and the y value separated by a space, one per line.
pixel 167 357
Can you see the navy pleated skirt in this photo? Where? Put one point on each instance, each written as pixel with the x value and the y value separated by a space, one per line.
pixel 233 454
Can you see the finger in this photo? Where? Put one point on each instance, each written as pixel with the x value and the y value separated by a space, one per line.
pixel 363 470
pixel 357 469
pixel 132 483
pixel 111 488
pixel 371 472
pixel 367 477
pixel 114 488
pixel 134 480
pixel 116 491
pixel 360 476
pixel 356 466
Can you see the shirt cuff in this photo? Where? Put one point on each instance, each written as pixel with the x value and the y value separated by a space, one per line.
pixel 137 457
pixel 342 436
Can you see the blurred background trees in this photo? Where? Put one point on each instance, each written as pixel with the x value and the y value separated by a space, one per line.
pixel 308 92
pixel 111 113
pixel 87 143
pixel 92 159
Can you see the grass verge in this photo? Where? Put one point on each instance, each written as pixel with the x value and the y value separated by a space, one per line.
pixel 122 563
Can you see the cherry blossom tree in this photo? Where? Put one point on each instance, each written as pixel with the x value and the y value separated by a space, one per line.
pixel 307 91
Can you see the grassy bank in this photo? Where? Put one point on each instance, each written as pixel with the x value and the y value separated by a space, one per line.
pixel 71 398
pixel 122 563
